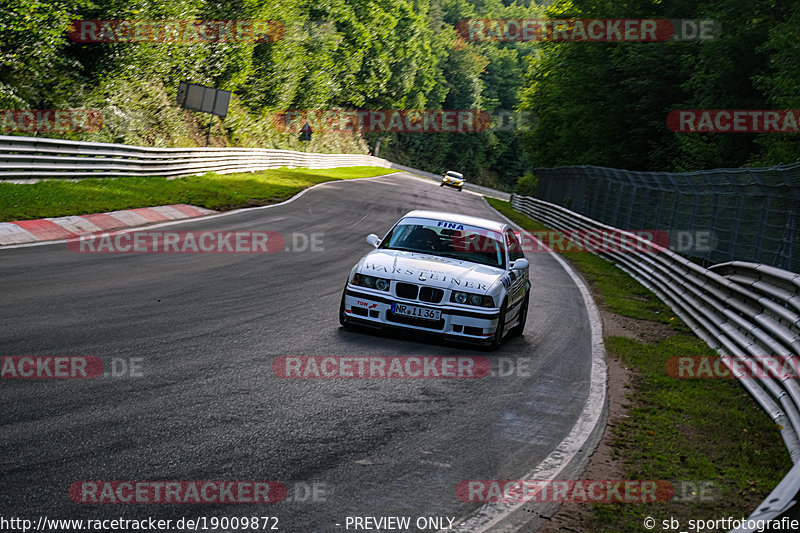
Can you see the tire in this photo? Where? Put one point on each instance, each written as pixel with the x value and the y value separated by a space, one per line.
pixel 342 316
pixel 459 189
pixel 523 316
pixel 441 185
pixel 498 333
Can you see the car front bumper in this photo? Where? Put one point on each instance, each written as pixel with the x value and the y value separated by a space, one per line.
pixel 466 325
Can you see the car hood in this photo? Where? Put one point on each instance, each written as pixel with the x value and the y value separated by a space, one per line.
pixel 430 270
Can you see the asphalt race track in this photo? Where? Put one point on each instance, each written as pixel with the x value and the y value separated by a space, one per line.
pixel 203 331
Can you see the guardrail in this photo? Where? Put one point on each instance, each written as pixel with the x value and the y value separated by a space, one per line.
pixel 742 310
pixel 25 158
pixel 34 157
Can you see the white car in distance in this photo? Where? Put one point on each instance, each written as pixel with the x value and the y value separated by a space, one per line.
pixel 453 179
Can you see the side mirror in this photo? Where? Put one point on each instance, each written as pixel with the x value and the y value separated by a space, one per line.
pixel 520 264
pixel 373 239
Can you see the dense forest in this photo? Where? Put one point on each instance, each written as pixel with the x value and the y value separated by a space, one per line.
pixel 606 103
pixel 601 103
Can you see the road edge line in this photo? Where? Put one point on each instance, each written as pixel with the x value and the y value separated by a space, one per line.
pixel 585 434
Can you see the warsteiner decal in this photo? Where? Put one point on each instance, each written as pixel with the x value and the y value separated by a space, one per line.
pixel 429 275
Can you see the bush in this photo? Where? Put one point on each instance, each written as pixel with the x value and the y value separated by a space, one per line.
pixel 526 185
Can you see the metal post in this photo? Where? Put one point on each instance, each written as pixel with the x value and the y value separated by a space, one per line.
pixel 211 120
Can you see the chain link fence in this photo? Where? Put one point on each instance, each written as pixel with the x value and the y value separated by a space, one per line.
pixel 745 214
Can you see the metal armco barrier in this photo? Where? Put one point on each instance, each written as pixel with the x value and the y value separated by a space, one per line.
pixel 742 310
pixel 25 158
pixel 35 157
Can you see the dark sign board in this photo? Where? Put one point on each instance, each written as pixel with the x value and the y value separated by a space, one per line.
pixel 205 99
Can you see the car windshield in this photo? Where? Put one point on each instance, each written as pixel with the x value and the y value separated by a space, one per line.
pixel 471 244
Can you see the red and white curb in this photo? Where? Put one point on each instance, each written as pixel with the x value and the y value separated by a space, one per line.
pixel 48 229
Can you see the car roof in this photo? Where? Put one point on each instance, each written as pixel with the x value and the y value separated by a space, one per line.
pixel 459 174
pixel 459 219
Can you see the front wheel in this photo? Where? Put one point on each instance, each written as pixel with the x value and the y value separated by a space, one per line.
pixel 342 315
pixel 441 185
pixel 523 315
pixel 498 332
pixel 459 189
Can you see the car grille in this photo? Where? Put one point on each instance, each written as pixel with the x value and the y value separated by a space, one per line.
pixel 407 290
pixel 414 292
pixel 429 294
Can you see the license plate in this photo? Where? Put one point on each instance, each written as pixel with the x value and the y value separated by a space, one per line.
pixel 417 312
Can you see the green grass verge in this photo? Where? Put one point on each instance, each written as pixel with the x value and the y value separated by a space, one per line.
pixel 690 430
pixel 679 430
pixel 55 198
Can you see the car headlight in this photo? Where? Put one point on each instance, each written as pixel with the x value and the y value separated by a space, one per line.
pixel 371 282
pixel 478 300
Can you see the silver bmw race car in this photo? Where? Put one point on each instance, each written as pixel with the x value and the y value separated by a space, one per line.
pixel 456 275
